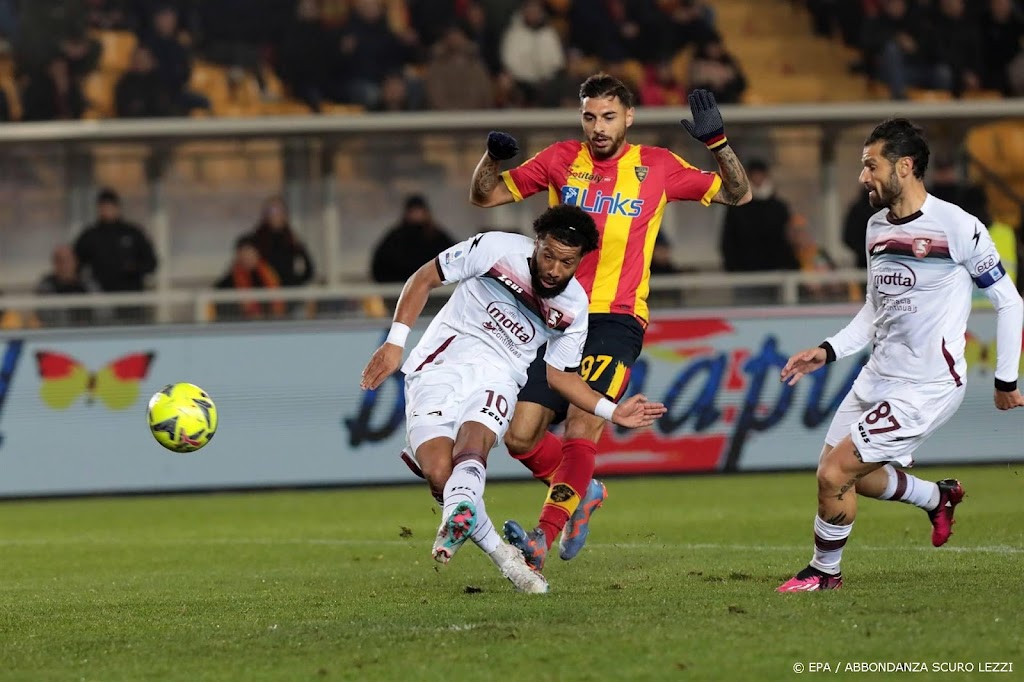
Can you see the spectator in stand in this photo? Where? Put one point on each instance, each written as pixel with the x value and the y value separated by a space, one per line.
pixel 1003 41
pixel 846 15
pixel 249 271
pixel 661 258
pixel 855 227
pixel 139 92
pixel 456 76
pixel 64 279
pixel 811 257
pixel 405 247
pixel 43 26
pixel 305 54
pixel 754 236
pixel 661 89
pixel 372 52
pixel 235 33
pixel 82 54
pixel 683 22
pixel 116 253
pixel 714 69
pixel 616 30
pixel 488 20
pixel 431 19
pixel 900 49
pixel 532 54
pixel 173 61
pixel 53 94
pixel 960 42
pixel 946 185
pixel 280 247
pixel 109 15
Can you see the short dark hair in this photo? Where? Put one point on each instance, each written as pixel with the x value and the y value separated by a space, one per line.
pixel 602 85
pixel 246 240
pixel 107 196
pixel 900 137
pixel 570 225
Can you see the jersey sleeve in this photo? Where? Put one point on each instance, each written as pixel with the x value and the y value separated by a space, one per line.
pixel 470 258
pixel 975 250
pixel 565 352
pixel 683 182
pixel 531 176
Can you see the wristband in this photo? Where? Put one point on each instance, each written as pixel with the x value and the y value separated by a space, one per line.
pixel 398 334
pixel 1006 386
pixel 830 353
pixel 605 408
pixel 717 143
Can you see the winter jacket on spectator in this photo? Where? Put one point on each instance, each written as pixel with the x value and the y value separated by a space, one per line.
pixel 531 55
pixel 456 77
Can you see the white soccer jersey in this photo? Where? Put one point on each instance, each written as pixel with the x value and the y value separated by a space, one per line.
pixel 921 273
pixel 494 317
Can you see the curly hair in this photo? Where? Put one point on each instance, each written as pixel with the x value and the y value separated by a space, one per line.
pixel 569 225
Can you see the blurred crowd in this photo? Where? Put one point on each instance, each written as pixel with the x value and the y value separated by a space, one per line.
pixel 374 54
pixel 955 45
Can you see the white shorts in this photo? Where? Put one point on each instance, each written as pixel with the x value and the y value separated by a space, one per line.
pixel 440 399
pixel 888 420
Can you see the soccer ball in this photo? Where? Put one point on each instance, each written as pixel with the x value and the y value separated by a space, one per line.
pixel 182 417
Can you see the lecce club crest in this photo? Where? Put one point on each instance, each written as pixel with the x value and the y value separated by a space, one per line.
pixel 641 172
pixel 922 247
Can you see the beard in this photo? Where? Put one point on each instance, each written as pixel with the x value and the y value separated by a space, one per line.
pixel 542 289
pixel 889 193
pixel 611 150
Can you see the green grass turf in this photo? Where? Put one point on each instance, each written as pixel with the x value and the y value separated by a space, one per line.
pixel 677 585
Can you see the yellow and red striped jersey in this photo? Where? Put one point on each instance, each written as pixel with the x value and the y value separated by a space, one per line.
pixel 626 196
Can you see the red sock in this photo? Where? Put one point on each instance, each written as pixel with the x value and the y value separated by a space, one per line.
pixel 544 458
pixel 571 478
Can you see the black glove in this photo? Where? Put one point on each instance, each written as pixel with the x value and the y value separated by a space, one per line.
pixel 501 146
pixel 707 123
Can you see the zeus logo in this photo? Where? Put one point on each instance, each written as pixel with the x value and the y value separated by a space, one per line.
pixel 595 201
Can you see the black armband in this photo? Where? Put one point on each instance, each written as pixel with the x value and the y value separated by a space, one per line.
pixel 1006 386
pixel 830 353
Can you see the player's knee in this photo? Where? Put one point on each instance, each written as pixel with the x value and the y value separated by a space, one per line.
pixel 437 473
pixel 830 474
pixel 583 425
pixel 521 443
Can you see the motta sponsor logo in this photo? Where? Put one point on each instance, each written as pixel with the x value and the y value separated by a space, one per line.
pixel 894 279
pixel 509 319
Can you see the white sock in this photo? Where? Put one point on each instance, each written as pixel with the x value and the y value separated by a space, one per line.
pixel 484 535
pixel 466 484
pixel 829 541
pixel 902 487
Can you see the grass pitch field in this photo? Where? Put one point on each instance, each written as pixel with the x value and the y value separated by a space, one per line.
pixel 677 585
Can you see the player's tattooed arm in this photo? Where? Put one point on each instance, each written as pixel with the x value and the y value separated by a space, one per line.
pixel 487 188
pixel 735 188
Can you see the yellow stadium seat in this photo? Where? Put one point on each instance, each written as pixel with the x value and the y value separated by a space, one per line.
pixel 120 165
pixel 922 95
pixel 211 80
pixel 285 107
pixel 982 94
pixel 118 47
pixel 98 88
pixel 10 90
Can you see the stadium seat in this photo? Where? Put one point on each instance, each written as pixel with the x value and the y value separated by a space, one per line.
pixel 923 95
pixel 118 47
pixel 98 88
pixel 10 90
pixel 211 80
pixel 211 164
pixel 121 166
